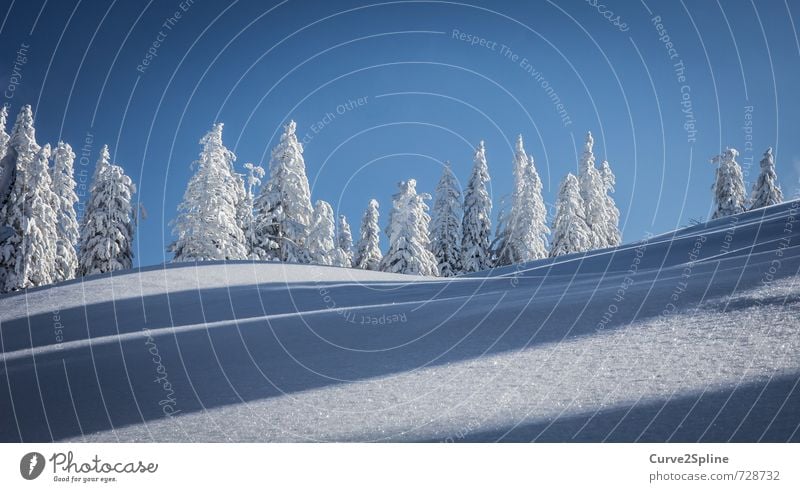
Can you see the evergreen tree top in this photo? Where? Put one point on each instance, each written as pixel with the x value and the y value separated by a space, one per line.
pixel 23 135
pixel 588 145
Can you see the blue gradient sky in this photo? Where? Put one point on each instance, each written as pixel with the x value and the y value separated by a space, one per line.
pixel 425 95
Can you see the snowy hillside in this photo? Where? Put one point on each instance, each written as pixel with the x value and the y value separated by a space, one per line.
pixel 687 336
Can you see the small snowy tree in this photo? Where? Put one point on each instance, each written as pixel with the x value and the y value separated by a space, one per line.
pixel 446 225
pixel 368 256
pixel 766 190
pixel 571 234
pixel 106 243
pixel 63 181
pixel 208 226
pixel 321 246
pixel 283 210
pixel 408 233
pixel 729 192
pixel 522 233
pixel 253 180
pixel 592 193
pixel 344 242
pixel 476 225
pixel 611 234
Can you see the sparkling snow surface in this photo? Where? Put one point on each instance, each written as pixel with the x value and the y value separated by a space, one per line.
pixel 700 343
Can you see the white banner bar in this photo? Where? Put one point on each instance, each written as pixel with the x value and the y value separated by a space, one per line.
pixel 401 467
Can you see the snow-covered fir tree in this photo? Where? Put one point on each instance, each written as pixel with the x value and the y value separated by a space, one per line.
pixel 63 181
pixel 446 225
pixel 251 181
pixel 28 256
pixel 612 236
pixel 344 242
pixel 321 245
pixel 522 232
pixel 368 254
pixel 408 233
pixel 571 234
pixel 283 209
pixel 106 243
pixel 592 193
pixel 476 225
pixel 766 190
pixel 729 191
pixel 208 226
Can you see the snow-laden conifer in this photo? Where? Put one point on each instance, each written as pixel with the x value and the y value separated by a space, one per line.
pixel 368 255
pixel 106 243
pixel 28 256
pixel 612 236
pixel 766 190
pixel 344 242
pixel 570 232
pixel 208 226
pixel 63 182
pixel 408 233
pixel 522 233
pixel 446 224
pixel 593 194
pixel 729 192
pixel 476 225
pixel 283 209
pixel 321 234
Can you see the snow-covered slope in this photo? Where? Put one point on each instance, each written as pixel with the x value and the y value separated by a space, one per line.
pixel 692 335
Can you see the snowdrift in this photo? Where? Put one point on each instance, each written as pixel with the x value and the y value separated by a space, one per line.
pixel 687 336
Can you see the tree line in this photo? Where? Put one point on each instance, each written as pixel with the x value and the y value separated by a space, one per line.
pixel 225 215
pixel 221 217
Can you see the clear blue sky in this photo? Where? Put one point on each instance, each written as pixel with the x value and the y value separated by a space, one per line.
pixel 427 94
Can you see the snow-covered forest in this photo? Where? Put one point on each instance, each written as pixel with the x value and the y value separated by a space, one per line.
pixel 268 215
pixel 42 239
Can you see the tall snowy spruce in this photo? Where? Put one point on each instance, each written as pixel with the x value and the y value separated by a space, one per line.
pixel 246 205
pixel 766 190
pixel 571 234
pixel 612 236
pixel 729 192
pixel 321 234
pixel 27 256
pixel 344 241
pixel 522 232
pixel 106 243
pixel 409 234
pixel 63 181
pixel 446 224
pixel 476 226
pixel 593 194
pixel 208 226
pixel 368 254
pixel 283 209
